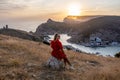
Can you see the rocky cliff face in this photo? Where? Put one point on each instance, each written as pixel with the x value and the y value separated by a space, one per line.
pixel 51 27
pixel 105 27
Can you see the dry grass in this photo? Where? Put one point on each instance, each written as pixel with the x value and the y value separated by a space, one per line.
pixel 24 60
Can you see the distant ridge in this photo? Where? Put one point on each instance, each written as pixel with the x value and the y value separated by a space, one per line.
pixel 78 19
pixel 19 33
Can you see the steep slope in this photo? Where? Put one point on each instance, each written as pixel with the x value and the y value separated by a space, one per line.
pixel 51 27
pixel 106 27
pixel 25 60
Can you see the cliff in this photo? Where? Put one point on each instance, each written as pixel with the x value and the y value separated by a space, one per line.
pixel 105 27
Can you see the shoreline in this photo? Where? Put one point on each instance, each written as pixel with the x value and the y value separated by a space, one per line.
pixel 101 50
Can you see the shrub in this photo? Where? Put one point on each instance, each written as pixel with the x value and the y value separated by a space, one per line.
pixel 117 55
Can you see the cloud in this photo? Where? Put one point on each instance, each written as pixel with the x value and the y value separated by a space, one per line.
pixel 35 9
pixel 39 17
pixel 7 6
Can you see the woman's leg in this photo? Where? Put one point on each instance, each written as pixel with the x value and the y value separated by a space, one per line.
pixel 66 61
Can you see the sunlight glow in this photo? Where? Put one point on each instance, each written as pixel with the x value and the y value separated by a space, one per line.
pixel 74 10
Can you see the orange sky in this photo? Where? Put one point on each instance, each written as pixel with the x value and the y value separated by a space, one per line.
pixel 18 11
pixel 56 9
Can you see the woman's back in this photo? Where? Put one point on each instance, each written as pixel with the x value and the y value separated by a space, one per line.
pixel 57 49
pixel 56 45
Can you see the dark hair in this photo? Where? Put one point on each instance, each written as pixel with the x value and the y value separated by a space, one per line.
pixel 55 37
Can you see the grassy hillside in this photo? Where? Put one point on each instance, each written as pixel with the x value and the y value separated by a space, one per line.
pixel 20 34
pixel 25 60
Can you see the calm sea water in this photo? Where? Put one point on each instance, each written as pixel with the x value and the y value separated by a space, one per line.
pixel 105 51
pixel 22 25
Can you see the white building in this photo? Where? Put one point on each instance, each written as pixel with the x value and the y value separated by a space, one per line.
pixel 95 41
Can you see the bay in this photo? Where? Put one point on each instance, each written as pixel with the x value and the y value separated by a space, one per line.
pixel 105 51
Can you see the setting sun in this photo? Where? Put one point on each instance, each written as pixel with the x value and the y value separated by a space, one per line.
pixel 74 10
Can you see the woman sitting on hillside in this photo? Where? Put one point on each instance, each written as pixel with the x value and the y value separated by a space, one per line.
pixel 57 51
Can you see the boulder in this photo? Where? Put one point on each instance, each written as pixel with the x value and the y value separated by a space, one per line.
pixel 54 63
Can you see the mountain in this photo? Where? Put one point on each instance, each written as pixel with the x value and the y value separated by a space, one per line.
pixel 22 59
pixel 51 27
pixel 20 34
pixel 105 27
pixel 78 19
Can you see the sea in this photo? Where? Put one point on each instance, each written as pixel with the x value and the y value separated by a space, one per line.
pixel 22 25
pixel 104 51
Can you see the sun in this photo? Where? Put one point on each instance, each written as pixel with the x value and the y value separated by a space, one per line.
pixel 74 10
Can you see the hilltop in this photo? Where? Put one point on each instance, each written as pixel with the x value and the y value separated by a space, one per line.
pixel 81 28
pixel 19 33
pixel 22 59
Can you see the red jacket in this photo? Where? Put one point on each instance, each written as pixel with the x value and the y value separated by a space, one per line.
pixel 57 47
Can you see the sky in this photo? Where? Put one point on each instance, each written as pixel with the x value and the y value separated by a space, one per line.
pixel 29 12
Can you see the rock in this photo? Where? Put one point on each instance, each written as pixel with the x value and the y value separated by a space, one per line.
pixel 93 63
pixel 97 53
pixel 46 42
pixel 54 63
pixel 31 64
pixel 68 47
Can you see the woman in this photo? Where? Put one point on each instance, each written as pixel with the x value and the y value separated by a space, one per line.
pixel 57 50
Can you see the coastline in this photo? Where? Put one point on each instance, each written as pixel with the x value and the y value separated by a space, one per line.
pixel 106 50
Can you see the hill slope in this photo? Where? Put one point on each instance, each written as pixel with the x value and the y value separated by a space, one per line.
pixel 20 34
pixel 21 61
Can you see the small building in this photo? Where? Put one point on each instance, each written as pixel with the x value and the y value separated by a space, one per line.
pixel 95 41
pixel 5 27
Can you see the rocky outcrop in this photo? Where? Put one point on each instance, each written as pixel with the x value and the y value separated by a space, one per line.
pixel 105 27
pixel 51 27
